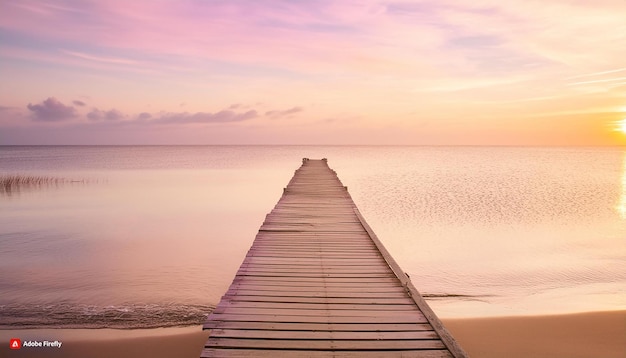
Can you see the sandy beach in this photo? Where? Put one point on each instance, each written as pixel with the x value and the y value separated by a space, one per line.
pixel 596 334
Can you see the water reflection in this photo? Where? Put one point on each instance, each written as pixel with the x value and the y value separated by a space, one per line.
pixel 621 206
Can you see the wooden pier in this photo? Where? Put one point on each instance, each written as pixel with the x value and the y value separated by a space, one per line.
pixel 317 282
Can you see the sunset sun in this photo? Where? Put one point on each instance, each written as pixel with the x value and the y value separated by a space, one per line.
pixel 621 126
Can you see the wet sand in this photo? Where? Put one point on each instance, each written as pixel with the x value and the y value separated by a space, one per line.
pixel 596 334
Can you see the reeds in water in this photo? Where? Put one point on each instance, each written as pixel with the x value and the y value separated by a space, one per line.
pixel 15 182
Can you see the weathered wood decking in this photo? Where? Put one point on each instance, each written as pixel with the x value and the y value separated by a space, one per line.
pixel 318 283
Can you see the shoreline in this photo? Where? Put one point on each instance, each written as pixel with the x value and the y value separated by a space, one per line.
pixel 568 335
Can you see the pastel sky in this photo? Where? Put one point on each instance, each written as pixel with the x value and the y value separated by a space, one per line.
pixel 433 72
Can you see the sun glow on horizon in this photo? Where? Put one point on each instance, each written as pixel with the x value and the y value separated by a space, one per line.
pixel 620 126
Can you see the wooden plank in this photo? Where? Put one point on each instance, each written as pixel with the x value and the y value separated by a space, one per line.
pixel 316 240
pixel 271 281
pixel 285 353
pixel 282 311
pixel 306 275
pixel 294 260
pixel 316 306
pixel 293 229
pixel 261 261
pixel 312 281
pixel 337 345
pixel 347 242
pixel 327 294
pixel 314 267
pixel 296 251
pixel 398 318
pixel 315 243
pixel 315 255
pixel 256 261
pixel 321 335
pixel 318 270
pixel 340 289
pixel 307 291
pixel 308 235
pixel 271 284
pixel 252 265
pixel 358 244
pixel 337 300
pixel 315 246
pixel 290 280
pixel 334 327
pixel 264 263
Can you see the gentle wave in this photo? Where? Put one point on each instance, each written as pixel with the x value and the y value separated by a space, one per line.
pixel 131 316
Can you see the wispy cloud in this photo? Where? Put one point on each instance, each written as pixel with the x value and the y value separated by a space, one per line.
pixel 284 113
pixel 224 116
pixel 617 79
pixel 597 73
pixel 47 8
pixel 110 115
pixel 113 60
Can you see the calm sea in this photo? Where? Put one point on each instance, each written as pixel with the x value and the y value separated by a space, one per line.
pixel 147 236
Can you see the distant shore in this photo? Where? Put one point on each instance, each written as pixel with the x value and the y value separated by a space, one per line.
pixel 594 334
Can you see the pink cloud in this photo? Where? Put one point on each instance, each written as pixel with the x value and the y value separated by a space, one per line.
pixel 284 113
pixel 223 116
pixel 51 110
pixel 143 116
pixel 110 115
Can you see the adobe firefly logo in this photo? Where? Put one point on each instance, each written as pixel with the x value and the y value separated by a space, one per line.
pixel 15 343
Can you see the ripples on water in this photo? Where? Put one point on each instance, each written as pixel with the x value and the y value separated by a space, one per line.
pixel 157 233
pixel 498 186
pixel 537 229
